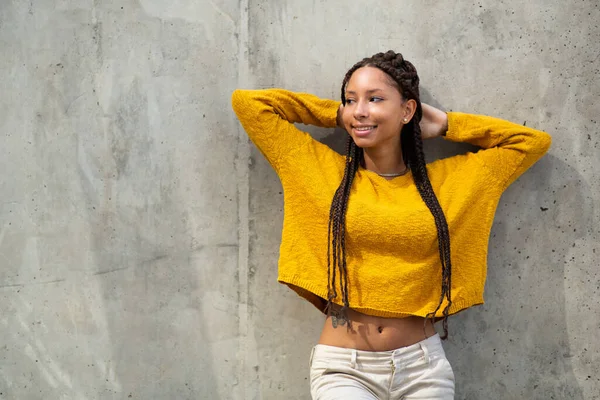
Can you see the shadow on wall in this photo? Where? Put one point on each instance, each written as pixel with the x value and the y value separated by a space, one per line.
pixel 517 345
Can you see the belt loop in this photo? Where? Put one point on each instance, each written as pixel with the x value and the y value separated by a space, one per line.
pixel 425 352
pixel 353 359
pixel 312 353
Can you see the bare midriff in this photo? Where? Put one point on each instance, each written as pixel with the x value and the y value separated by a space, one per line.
pixel 371 333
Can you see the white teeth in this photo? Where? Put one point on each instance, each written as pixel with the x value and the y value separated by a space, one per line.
pixel 364 128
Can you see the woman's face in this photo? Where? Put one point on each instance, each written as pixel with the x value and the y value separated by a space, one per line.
pixel 374 110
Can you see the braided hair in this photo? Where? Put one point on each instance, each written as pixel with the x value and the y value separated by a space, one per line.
pixel 404 76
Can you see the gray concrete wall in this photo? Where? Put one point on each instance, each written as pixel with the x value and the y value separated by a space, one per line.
pixel 139 230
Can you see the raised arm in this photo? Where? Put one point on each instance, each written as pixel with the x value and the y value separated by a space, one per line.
pixel 509 149
pixel 268 116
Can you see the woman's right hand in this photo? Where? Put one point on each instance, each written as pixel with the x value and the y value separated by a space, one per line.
pixel 340 121
pixel 434 122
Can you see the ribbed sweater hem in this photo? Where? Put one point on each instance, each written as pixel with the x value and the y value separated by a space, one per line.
pixel 293 282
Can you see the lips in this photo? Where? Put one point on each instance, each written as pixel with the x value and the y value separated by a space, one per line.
pixel 363 130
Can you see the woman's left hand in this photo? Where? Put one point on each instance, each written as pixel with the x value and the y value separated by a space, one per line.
pixel 434 122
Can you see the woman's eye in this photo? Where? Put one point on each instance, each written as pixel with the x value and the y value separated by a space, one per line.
pixel 349 101
pixel 376 99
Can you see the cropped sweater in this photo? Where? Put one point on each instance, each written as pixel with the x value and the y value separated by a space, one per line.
pixel 393 260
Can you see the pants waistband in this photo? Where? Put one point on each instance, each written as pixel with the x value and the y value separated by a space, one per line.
pixel 425 348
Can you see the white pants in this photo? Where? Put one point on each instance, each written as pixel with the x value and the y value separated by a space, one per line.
pixel 419 371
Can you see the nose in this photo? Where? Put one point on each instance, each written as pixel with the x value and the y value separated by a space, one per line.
pixel 361 110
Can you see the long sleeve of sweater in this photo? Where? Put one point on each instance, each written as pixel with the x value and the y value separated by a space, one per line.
pixel 269 115
pixel 508 149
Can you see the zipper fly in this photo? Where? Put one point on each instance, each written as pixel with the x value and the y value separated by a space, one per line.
pixel 392 377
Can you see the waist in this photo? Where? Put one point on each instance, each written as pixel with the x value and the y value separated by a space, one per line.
pixel 425 350
pixel 370 333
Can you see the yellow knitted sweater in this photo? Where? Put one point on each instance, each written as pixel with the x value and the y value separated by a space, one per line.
pixel 393 260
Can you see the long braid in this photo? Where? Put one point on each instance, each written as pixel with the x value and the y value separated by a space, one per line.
pixel 333 228
pixel 430 199
pixel 353 168
pixel 336 246
pixel 404 76
pixel 334 223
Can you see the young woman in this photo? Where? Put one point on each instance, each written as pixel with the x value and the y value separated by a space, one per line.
pixel 381 242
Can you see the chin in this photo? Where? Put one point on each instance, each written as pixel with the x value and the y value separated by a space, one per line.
pixel 363 143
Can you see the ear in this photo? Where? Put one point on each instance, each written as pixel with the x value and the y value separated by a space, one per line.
pixel 408 110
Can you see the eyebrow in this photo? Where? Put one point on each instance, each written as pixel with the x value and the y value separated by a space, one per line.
pixel 368 91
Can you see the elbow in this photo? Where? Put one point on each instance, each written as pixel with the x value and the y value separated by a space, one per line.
pixel 239 101
pixel 545 141
pixel 238 94
pixel 236 98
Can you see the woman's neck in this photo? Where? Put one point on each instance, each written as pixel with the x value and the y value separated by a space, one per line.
pixel 388 160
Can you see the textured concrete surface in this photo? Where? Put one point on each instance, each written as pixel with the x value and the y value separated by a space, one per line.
pixel 139 230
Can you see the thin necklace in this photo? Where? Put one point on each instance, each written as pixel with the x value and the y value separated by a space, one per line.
pixel 391 175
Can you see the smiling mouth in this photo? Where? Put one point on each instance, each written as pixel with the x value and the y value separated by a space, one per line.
pixel 363 130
